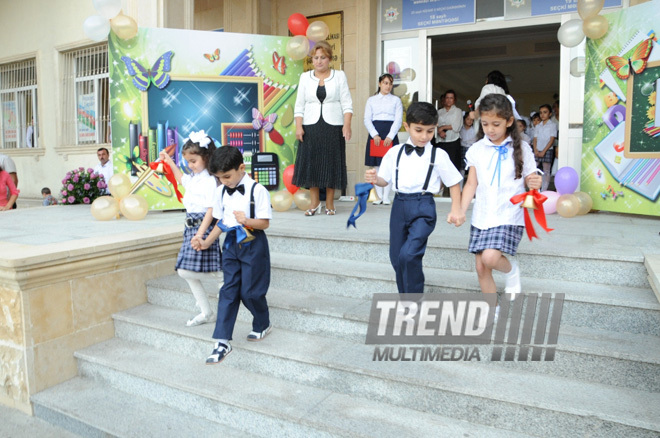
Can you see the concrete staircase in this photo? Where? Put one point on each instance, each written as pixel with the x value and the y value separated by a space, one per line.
pixel 313 376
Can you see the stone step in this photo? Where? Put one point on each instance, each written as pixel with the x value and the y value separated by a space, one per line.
pixel 615 308
pixel 595 355
pixel 17 424
pixel 91 409
pixel 576 264
pixel 502 398
pixel 253 402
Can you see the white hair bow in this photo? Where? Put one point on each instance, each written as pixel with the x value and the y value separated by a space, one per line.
pixel 200 138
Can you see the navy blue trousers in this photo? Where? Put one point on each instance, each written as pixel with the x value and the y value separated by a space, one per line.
pixel 246 270
pixel 412 221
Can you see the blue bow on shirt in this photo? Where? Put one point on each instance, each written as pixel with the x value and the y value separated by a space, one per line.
pixel 238 230
pixel 501 152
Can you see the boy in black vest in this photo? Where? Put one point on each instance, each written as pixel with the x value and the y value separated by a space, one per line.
pixel 242 207
pixel 416 170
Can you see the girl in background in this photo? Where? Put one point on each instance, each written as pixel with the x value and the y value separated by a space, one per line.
pixel 383 115
pixel 544 140
pixel 500 165
pixel 195 266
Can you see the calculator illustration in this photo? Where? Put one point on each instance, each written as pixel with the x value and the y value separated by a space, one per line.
pixel 266 170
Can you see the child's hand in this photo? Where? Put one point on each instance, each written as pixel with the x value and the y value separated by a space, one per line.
pixel 534 181
pixel 196 243
pixel 240 217
pixel 456 218
pixel 165 157
pixel 387 142
pixel 370 176
pixel 377 140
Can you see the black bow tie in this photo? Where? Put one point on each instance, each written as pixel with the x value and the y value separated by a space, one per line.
pixel 410 148
pixel 239 188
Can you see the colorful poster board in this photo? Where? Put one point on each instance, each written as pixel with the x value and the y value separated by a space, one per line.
pixel 227 84
pixel 621 132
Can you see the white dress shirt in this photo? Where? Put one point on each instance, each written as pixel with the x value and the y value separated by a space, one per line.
pixel 469 135
pixel 383 107
pixel 105 170
pixel 413 170
pixel 337 101
pixel 224 207
pixel 494 89
pixel 492 207
pixel 200 188
pixel 454 117
pixel 543 133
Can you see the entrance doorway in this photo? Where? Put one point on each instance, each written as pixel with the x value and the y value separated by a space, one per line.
pixel 528 57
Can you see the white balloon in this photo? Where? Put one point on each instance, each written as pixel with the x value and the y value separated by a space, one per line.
pixel 96 27
pixel 108 8
pixel 570 34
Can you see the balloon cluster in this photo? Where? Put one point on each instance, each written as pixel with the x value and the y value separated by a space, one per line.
pixel 566 201
pixel 591 24
pixel 133 207
pixel 305 36
pixel 97 27
pixel 282 200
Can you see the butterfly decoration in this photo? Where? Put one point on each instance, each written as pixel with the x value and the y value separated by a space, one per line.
pixel 132 161
pixel 266 123
pixel 636 62
pixel 215 56
pixel 278 63
pixel 142 77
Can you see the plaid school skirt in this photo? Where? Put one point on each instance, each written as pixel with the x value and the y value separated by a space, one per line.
pixel 208 260
pixel 548 157
pixel 504 238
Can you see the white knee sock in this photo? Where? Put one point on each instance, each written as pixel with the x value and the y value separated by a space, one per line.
pixel 194 281
pixel 386 192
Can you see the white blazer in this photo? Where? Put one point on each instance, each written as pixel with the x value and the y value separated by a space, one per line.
pixel 337 101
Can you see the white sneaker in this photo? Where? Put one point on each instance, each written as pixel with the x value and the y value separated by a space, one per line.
pixel 377 202
pixel 513 280
pixel 201 319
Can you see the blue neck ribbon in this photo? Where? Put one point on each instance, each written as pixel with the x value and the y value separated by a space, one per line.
pixel 501 153
pixel 238 231
pixel 362 192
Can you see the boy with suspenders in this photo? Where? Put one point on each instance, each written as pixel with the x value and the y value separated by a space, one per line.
pixel 416 170
pixel 242 207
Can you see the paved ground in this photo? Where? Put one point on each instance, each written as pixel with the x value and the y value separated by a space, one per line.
pixel 15 424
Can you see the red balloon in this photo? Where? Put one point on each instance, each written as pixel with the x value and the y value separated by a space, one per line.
pixel 287 177
pixel 298 24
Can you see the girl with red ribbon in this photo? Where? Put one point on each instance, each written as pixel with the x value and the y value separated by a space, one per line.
pixel 500 164
pixel 195 266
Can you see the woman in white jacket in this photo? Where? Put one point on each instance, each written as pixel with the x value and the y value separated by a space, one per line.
pixel 323 113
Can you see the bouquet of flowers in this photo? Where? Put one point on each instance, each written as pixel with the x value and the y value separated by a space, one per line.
pixel 81 186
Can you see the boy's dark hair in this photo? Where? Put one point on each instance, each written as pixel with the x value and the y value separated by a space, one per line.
pixel 546 105
pixel 103 149
pixel 450 92
pixel 496 77
pixel 45 191
pixel 194 148
pixel 422 113
pixel 500 105
pixel 224 159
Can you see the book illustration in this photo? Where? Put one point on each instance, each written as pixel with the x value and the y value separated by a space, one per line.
pixel 638 174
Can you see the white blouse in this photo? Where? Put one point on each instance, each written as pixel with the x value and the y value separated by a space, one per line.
pixel 199 191
pixel 492 207
pixel 383 107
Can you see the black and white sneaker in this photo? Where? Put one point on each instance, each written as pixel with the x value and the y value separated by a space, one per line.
pixel 219 353
pixel 258 336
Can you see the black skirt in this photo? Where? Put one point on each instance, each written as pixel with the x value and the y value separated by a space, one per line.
pixel 383 128
pixel 321 157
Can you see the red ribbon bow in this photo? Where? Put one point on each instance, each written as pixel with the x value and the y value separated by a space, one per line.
pixel 167 170
pixel 539 213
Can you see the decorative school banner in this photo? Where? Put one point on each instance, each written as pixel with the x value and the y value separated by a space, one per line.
pixel 165 83
pixel 621 133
